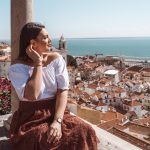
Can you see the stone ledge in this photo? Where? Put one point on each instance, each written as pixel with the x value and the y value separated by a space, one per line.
pixel 4 143
pixel 108 141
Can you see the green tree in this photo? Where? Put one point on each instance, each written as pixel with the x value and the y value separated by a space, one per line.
pixel 71 61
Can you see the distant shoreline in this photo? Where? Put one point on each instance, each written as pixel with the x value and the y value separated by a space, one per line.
pixel 127 58
pixel 107 37
pixel 137 47
pixel 3 40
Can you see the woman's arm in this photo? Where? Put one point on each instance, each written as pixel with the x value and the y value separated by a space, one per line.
pixel 61 102
pixel 33 86
pixel 54 134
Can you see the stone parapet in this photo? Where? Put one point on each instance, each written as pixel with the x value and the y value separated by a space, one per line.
pixel 138 142
pixel 107 140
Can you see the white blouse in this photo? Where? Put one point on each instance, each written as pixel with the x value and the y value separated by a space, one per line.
pixel 55 76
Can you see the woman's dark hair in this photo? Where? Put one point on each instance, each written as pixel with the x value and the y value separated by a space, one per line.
pixel 29 31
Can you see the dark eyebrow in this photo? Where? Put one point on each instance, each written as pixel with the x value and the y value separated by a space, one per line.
pixel 46 35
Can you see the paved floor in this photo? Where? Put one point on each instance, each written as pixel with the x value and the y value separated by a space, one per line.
pixel 4 143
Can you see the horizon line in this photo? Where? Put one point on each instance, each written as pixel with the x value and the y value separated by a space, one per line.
pixel 94 37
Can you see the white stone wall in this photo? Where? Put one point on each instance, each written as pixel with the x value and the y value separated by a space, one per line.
pixel 137 110
pixel 89 90
pixel 102 108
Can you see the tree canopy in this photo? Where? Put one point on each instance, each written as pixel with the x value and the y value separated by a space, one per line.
pixel 71 61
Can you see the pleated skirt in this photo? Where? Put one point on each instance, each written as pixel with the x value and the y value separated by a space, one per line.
pixel 30 124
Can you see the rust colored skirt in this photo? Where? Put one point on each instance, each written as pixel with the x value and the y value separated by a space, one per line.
pixel 31 121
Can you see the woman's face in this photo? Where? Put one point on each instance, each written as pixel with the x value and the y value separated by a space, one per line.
pixel 42 43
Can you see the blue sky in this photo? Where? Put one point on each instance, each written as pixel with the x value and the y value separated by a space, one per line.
pixel 86 18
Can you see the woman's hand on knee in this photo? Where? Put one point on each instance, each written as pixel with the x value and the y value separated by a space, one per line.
pixel 54 133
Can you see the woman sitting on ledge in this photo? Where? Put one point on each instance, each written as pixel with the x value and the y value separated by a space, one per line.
pixel 40 79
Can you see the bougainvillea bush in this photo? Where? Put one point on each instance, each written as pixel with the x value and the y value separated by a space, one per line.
pixel 5 96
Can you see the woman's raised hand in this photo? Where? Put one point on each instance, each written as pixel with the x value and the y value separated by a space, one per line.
pixel 35 56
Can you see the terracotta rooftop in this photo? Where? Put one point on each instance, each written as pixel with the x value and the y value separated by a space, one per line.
pixel 104 80
pixel 81 84
pixel 92 86
pixel 146 69
pixel 134 140
pixel 135 68
pixel 96 93
pixel 86 95
pixel 109 124
pixel 133 103
pixel 143 121
pixel 119 90
pixel 77 90
pixel 72 101
pixel 93 64
pixel 110 115
pixel 101 104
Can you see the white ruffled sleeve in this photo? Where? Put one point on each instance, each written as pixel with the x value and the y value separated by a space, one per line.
pixel 61 74
pixel 18 76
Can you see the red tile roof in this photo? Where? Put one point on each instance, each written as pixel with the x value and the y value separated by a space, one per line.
pixel 92 86
pixel 133 103
pixel 143 121
pixel 101 104
pixel 109 124
pixel 109 115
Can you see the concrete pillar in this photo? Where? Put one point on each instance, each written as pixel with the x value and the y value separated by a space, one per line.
pixel 21 13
